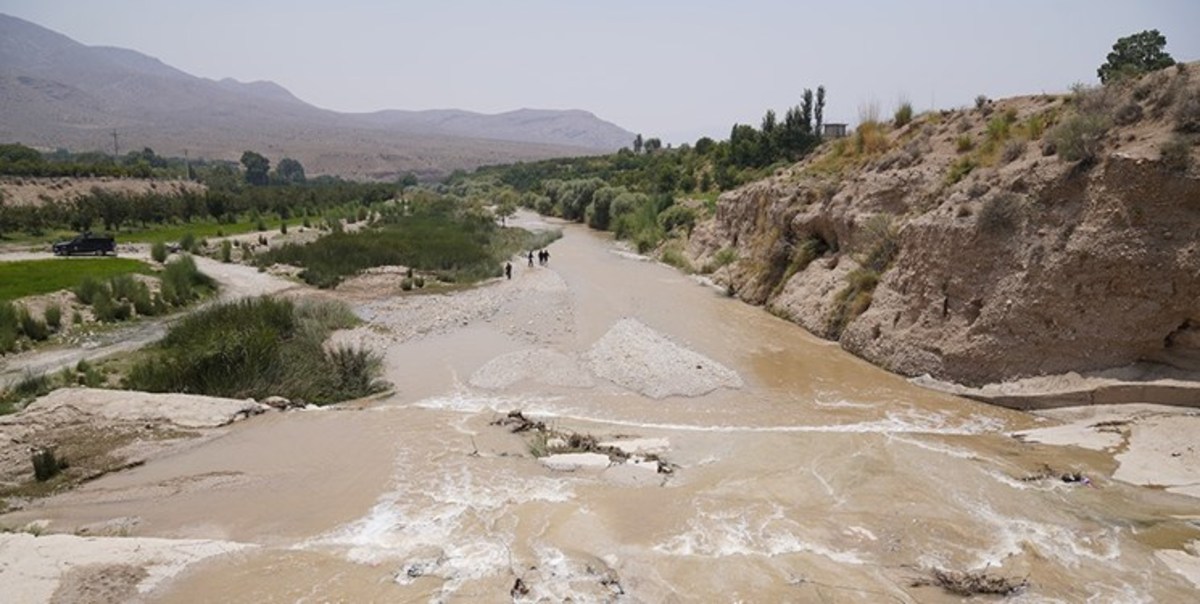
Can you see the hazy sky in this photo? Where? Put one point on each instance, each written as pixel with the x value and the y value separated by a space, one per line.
pixel 671 68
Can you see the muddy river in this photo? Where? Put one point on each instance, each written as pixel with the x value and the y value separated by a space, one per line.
pixel 800 473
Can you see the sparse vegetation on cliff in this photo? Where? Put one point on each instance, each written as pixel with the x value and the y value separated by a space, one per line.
pixel 979 210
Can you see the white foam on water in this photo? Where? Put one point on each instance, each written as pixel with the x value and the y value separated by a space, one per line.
pixel 861 532
pixel 446 526
pixel 556 577
pixel 895 422
pixel 842 404
pixel 1064 545
pixel 934 447
pixel 747 532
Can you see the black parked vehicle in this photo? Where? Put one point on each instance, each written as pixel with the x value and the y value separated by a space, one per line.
pixel 86 243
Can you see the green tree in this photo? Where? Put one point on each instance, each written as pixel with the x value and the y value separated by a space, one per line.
pixel 1132 55
pixel 652 145
pixel 290 171
pixel 819 112
pixel 408 180
pixel 637 144
pixel 506 205
pixel 257 168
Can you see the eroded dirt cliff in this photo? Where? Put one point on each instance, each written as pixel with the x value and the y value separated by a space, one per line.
pixel 1022 237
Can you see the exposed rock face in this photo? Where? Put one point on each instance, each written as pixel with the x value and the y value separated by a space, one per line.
pixel 1030 264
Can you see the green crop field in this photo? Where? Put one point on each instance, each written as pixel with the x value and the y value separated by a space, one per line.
pixel 32 277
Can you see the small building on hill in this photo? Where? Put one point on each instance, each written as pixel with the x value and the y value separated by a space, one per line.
pixel 834 131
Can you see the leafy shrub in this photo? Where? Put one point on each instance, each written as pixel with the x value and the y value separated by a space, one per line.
pixel 10 327
pixel 1176 154
pixel 87 290
pixel 122 311
pixel 997 128
pixel 1035 126
pixel 880 241
pixel 964 143
pixel 142 302
pixel 103 307
pixel 675 217
pixel 182 282
pixel 226 251
pixel 673 255
pixel 406 284
pixel 724 257
pixel 53 316
pixel 419 281
pixel 1080 137
pixel 257 348
pixel 1013 150
pixel 158 252
pixel 33 328
pixel 981 101
pixel 188 243
pixel 999 214
pixel 259 225
pixel 903 115
pixel 283 228
pixel 1187 114
pixel 853 300
pixel 355 370
pixel 1129 113
pixel 122 287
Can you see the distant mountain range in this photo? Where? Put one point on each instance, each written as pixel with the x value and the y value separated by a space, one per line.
pixel 56 92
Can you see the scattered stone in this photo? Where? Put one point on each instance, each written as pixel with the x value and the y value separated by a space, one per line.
pixel 280 403
pixel 576 461
pixel 518 589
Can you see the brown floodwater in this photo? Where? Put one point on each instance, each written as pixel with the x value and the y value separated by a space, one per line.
pixel 821 479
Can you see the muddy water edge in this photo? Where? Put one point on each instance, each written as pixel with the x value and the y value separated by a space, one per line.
pixel 819 478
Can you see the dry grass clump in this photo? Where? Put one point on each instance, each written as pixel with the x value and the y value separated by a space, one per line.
pixel 870 138
pixel 999 214
pixel 1176 154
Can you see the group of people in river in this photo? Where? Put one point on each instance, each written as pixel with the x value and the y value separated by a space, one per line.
pixel 543 258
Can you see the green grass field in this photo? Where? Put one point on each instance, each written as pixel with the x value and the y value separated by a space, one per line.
pixel 200 229
pixel 33 277
pixel 167 233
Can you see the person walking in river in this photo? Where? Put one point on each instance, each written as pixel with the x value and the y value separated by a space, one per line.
pixel 508 269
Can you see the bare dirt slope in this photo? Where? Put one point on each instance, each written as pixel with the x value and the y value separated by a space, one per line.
pixel 985 244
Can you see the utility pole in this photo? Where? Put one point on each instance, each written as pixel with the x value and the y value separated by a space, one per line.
pixel 116 149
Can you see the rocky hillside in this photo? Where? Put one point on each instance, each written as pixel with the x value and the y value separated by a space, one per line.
pixel 1028 236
